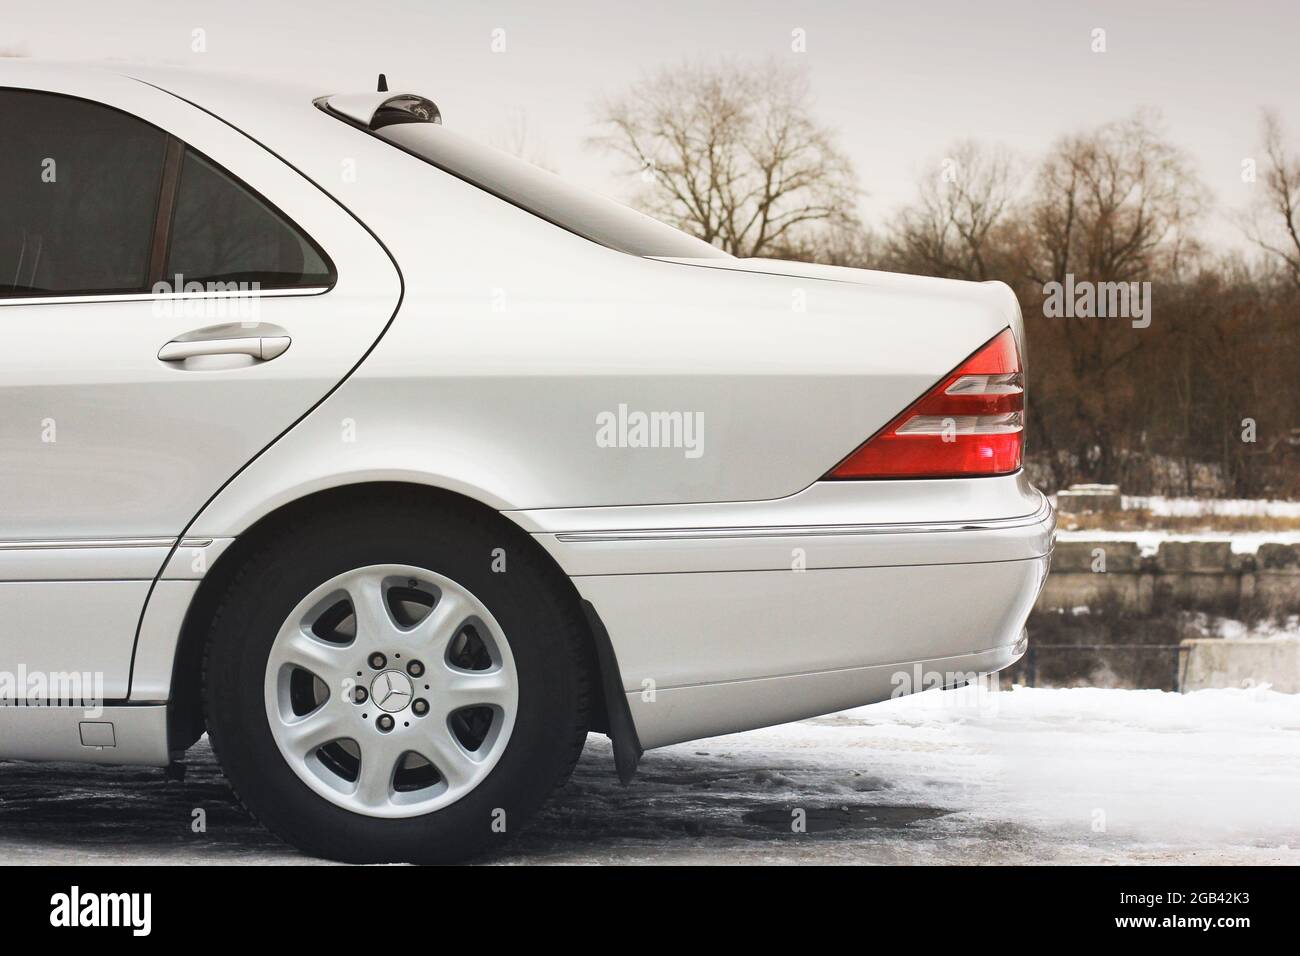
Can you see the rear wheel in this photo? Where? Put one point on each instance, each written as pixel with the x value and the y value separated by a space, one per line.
pixel 405 683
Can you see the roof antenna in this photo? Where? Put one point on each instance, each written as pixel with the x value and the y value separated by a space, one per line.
pixel 383 83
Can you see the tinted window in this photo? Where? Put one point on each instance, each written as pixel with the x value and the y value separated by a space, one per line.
pixel 223 232
pixel 544 194
pixel 78 191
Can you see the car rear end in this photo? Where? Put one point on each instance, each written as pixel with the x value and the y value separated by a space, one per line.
pixel 911 563
pixel 828 501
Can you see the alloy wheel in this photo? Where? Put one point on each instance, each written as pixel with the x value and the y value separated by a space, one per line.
pixel 391 691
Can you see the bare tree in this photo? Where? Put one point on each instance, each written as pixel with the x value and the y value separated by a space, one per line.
pixel 953 228
pixel 842 244
pixel 1113 204
pixel 731 154
pixel 1275 226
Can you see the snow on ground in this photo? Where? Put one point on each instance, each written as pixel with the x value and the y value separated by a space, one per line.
pixel 1231 629
pixel 1018 776
pixel 1243 542
pixel 1197 507
pixel 969 776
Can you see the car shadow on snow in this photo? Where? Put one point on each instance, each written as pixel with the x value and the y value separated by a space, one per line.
pixel 680 794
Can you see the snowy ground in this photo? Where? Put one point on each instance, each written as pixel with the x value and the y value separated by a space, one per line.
pixel 1196 507
pixel 1149 541
pixel 1273 522
pixel 1231 629
pixel 1027 775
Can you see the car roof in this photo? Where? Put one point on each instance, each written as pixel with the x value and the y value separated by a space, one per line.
pixel 226 93
pixel 240 99
pixel 201 86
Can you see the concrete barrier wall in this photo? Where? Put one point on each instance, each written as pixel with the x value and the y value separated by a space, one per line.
pixel 1213 662
pixel 1182 575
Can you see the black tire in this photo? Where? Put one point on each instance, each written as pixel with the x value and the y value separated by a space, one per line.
pixel 534 605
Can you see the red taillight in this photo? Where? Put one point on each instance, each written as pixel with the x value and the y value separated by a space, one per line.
pixel 968 425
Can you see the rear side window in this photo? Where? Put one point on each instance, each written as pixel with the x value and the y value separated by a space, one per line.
pixel 95 201
pixel 223 232
pixel 78 194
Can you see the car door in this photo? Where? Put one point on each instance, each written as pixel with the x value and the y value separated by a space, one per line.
pixel 173 297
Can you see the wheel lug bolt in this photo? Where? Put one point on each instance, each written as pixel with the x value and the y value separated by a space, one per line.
pixel 359 695
pixel 421 706
pixel 414 668
pixel 384 723
pixel 378 660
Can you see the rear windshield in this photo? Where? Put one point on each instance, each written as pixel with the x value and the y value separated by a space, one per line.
pixel 547 195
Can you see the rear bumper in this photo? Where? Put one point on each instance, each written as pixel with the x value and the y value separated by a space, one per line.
pixel 720 627
pixel 706 710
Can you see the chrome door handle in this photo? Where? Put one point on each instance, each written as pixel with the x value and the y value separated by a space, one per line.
pixel 261 347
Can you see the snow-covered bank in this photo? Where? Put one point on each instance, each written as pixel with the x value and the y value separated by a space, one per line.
pixel 1231 629
pixel 1148 542
pixel 1199 507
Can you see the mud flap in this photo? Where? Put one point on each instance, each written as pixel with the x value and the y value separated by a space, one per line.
pixel 622 731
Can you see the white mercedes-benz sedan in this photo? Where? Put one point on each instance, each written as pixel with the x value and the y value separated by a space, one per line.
pixel 397 465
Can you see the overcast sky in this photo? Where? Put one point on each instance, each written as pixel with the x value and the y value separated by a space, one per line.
pixel 897 80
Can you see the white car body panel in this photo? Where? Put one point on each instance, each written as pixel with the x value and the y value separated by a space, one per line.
pixel 140 444
pixel 152 441
pixel 512 337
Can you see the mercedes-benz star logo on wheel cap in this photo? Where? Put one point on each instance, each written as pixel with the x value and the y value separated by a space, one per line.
pixel 391 691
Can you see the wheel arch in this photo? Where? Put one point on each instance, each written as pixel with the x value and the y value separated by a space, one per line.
pixel 185 709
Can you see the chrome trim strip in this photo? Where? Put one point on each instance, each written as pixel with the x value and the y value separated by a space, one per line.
pixel 164 297
pixel 690 534
pixel 82 543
